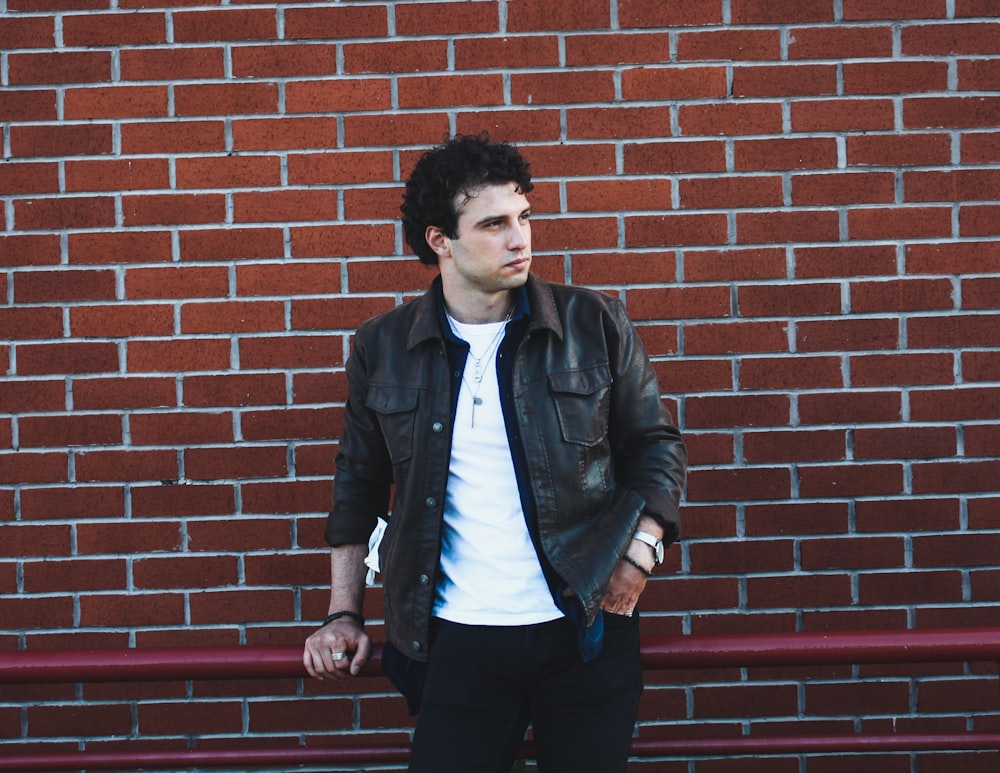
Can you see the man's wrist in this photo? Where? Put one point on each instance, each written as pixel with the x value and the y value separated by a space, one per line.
pixel 359 619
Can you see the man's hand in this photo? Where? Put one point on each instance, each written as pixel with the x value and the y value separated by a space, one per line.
pixel 337 650
pixel 627 583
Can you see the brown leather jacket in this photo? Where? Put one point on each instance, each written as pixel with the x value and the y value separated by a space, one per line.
pixel 599 447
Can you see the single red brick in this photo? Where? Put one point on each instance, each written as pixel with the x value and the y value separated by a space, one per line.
pixel 117 247
pixel 695 302
pixel 228 24
pixel 953 331
pixel 173 208
pixel 31 323
pixel 436 18
pixel 97 429
pixel 396 56
pixel 730 192
pixel 285 205
pixel 904 442
pixel 675 230
pixel 180 282
pixel 818 189
pixel 24 467
pixel 118 174
pixel 173 429
pixel 321 96
pixel 975 38
pixel 75 575
pixel 29 177
pixel 349 240
pixel 271 61
pixel 121 321
pixel 336 22
pixel 229 244
pixel 732 118
pixel 63 67
pixel 800 80
pixel 114 29
pixel 848 115
pixel 837 335
pixel 421 129
pixel 27 32
pixel 951 112
pixel 783 226
pixel 163 137
pixel 73 503
pixel 225 99
pixel 737 411
pixel 475 53
pixel 287 497
pixel 622 268
pixel 28 105
pixel 852 407
pixel 178 354
pixel 294 352
pixel 877 370
pixel 174 572
pixel 64 213
pixel 859 10
pixel 64 286
pixel 694 375
pixel 116 102
pixel 791 373
pixel 737 45
pixel 231 317
pixel 170 64
pixel 229 172
pixel 737 336
pixel 798 153
pixel 344 313
pixel 131 465
pixel 839 42
pixel 172 501
pixel 562 87
pixel 233 390
pixel 124 392
pixel 800 445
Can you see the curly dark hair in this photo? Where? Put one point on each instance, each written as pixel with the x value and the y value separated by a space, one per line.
pixel 461 165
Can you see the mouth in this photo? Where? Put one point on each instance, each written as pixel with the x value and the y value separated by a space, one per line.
pixel 519 263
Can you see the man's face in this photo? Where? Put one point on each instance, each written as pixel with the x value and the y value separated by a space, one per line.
pixel 492 252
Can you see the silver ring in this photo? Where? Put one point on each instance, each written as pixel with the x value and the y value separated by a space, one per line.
pixel 337 656
pixel 629 613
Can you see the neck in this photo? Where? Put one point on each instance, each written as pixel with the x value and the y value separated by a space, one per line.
pixel 496 309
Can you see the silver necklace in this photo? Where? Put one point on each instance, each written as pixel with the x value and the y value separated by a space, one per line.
pixel 480 363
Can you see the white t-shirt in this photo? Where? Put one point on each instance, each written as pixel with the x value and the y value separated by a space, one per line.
pixel 490 574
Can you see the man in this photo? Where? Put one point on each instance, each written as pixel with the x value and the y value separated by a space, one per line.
pixel 536 478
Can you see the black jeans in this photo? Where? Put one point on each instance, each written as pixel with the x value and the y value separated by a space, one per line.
pixel 486 684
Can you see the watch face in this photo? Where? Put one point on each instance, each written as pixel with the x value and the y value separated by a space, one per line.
pixel 659 552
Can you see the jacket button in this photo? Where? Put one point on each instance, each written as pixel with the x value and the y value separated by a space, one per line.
pixel 415 646
pixel 424 579
pixel 437 426
pixel 430 501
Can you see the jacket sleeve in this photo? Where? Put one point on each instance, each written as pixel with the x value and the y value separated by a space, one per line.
pixel 363 469
pixel 650 456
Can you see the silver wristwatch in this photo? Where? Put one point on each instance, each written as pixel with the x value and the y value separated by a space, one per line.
pixel 653 542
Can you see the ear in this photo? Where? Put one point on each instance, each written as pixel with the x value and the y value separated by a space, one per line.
pixel 437 241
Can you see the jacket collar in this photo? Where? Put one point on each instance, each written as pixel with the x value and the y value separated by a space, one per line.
pixel 536 300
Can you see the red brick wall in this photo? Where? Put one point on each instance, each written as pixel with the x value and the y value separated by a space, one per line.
pixel 796 199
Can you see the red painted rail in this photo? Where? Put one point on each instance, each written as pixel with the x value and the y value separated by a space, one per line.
pixel 659 653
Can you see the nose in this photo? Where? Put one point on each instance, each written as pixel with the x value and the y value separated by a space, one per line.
pixel 520 235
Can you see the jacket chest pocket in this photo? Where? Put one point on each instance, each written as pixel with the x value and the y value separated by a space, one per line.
pixel 396 408
pixel 582 399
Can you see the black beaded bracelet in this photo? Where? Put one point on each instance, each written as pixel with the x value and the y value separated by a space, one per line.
pixel 637 565
pixel 345 613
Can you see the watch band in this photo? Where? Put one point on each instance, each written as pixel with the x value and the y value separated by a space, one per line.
pixel 653 542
